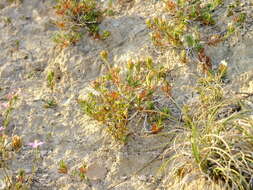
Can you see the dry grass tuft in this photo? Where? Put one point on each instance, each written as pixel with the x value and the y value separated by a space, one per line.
pixel 216 143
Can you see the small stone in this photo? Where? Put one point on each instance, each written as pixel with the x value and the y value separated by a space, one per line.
pixel 96 171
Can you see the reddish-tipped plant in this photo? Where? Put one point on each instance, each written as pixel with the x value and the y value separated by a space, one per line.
pixel 119 96
pixel 178 29
pixel 75 18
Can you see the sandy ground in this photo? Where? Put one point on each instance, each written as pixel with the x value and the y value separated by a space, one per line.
pixel 68 134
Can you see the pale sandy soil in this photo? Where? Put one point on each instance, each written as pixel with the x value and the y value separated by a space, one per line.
pixel 70 135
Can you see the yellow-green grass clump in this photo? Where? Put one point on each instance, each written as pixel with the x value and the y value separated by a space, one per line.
pixel 216 141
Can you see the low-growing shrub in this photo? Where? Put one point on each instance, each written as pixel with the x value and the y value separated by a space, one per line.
pixel 126 93
pixel 180 28
pixel 75 18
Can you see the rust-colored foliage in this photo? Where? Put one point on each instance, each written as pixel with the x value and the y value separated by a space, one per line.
pixel 207 65
pixel 170 5
pixel 214 40
pixel 75 16
pixel 121 97
pixel 16 142
pixel 155 129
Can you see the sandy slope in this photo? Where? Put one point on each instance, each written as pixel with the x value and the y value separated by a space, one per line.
pixel 68 134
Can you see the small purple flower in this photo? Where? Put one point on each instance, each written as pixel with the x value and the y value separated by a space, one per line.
pixel 12 94
pixel 35 144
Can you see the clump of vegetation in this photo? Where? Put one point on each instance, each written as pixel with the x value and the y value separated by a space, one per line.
pixel 75 18
pixel 78 173
pixel 216 147
pixel 62 168
pixel 9 146
pixel 81 172
pixel 50 103
pixel 125 93
pixel 180 29
pixel 9 107
pixel 51 80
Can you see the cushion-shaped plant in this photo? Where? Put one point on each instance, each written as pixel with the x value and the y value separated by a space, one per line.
pixel 125 93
